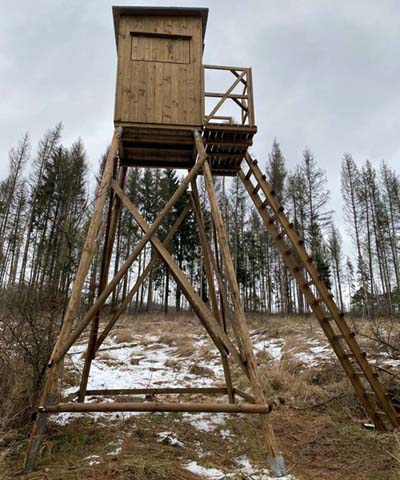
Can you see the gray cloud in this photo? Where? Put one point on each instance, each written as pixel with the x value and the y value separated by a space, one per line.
pixel 325 73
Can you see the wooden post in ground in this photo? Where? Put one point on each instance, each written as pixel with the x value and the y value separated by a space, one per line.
pixel 207 254
pixel 49 393
pixel 80 327
pixel 111 227
pixel 275 459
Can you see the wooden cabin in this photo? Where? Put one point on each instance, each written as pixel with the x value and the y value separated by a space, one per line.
pixel 160 93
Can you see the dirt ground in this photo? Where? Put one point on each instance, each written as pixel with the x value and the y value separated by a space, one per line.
pixel 319 427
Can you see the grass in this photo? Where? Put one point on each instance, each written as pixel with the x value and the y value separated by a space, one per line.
pixel 319 427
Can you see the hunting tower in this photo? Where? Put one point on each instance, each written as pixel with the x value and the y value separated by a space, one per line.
pixel 165 117
pixel 160 97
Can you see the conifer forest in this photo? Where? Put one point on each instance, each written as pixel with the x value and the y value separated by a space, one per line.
pixel 47 197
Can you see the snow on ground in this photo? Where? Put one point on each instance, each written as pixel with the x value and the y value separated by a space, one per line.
pixel 273 346
pixel 244 466
pixel 169 438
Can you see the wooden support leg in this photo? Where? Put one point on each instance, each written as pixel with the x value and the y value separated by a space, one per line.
pixel 50 388
pixel 207 253
pixel 111 227
pixel 276 461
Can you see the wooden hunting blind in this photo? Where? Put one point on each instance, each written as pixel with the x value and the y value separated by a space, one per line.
pixel 160 95
pixel 161 122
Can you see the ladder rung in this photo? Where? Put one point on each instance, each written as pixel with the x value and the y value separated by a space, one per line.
pixel 288 251
pixel 298 268
pixel 307 284
pixel 340 337
pixel 249 174
pixel 272 219
pixel 317 301
pixel 352 355
pixel 264 203
pixel 256 189
pixel 362 375
pixel 326 319
pixel 337 337
pixel 281 234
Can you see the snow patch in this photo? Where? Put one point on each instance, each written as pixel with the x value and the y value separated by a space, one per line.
pixel 93 459
pixel 273 347
pixel 169 438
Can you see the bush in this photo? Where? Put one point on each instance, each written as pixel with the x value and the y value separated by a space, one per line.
pixel 29 323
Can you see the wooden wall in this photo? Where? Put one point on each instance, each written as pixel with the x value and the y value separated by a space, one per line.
pixel 159 79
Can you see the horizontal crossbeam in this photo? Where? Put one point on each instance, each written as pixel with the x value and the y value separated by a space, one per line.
pixel 157 407
pixel 159 391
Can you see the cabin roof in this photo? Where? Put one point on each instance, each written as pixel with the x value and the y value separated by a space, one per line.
pixel 173 11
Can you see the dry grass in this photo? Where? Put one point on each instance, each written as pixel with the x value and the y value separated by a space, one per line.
pixel 319 427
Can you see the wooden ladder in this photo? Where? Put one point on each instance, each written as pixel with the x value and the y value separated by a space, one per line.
pixel 364 380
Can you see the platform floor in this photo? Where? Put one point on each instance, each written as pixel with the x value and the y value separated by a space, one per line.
pixel 150 147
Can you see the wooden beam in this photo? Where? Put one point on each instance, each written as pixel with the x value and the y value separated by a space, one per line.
pixel 140 280
pixel 112 221
pixel 128 262
pixel 220 95
pixel 227 93
pixel 224 67
pixel 210 323
pixel 238 312
pixel 160 391
pixel 49 391
pixel 207 254
pixel 158 407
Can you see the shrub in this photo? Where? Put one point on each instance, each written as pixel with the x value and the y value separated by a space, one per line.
pixel 29 323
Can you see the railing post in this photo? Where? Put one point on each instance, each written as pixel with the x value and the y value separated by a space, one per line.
pixel 250 102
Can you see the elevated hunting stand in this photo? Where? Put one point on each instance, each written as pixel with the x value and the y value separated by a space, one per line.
pixel 160 122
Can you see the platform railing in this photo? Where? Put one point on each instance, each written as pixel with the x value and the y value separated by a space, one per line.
pixel 243 100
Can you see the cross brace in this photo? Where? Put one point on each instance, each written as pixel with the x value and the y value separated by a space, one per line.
pixel 238 350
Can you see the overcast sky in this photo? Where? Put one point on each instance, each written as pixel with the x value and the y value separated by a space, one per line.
pixel 326 73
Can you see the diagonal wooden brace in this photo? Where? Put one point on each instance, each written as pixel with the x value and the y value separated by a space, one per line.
pixel 60 353
pixel 142 277
pixel 212 326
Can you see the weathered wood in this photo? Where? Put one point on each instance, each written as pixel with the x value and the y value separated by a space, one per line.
pixel 207 253
pixel 125 303
pixel 160 391
pixel 245 396
pixel 157 55
pixel 235 296
pixel 158 407
pixel 210 323
pixel 111 228
pixel 49 391
pixel 225 96
pixel 298 267
pixel 128 262
pixel 90 242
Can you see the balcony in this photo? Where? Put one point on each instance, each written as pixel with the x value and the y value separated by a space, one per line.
pixel 229 124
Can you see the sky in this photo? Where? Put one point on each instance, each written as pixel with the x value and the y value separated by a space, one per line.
pixel 325 73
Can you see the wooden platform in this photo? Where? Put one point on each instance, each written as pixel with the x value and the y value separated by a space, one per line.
pixel 226 146
pixel 157 147
pixel 152 147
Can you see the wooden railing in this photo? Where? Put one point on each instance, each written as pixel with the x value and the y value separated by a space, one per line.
pixel 243 100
